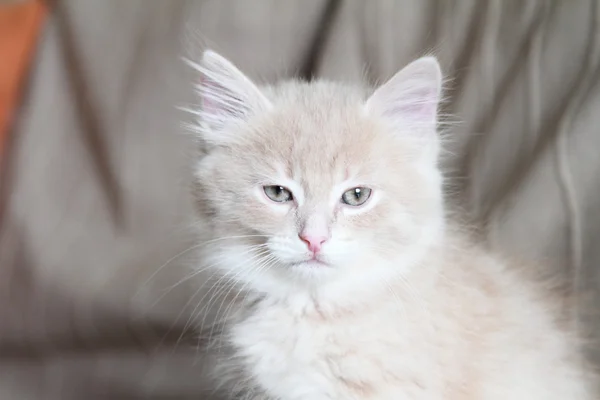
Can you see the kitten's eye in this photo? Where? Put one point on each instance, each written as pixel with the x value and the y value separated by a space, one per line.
pixel 278 194
pixel 356 196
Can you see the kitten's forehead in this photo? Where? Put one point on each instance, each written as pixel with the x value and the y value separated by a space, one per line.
pixel 320 132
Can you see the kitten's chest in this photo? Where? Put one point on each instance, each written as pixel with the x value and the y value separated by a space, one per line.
pixel 311 357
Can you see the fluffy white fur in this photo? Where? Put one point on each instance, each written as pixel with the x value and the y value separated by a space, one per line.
pixel 399 306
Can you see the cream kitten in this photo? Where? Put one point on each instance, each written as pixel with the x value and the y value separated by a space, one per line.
pixel 324 203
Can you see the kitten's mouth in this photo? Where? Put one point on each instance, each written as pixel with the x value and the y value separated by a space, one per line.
pixel 311 263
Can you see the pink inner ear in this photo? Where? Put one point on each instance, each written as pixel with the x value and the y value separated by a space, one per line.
pixel 419 104
pixel 208 104
pixel 217 99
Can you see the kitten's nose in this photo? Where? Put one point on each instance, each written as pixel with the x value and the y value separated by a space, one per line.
pixel 313 242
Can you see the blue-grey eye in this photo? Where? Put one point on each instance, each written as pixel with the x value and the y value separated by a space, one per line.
pixel 356 196
pixel 278 194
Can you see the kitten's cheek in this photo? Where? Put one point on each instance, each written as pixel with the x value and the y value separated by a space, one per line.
pixel 284 251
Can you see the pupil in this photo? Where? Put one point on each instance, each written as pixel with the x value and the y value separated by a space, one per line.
pixel 357 193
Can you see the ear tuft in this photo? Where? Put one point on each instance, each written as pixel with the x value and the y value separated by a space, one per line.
pixel 411 96
pixel 227 97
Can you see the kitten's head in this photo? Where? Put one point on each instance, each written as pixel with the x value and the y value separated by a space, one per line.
pixel 316 183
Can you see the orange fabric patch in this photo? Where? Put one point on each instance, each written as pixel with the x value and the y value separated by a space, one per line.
pixel 20 24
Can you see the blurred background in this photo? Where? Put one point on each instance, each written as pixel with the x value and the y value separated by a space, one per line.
pixel 95 209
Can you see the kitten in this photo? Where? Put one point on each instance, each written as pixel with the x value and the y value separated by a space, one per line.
pixel 323 202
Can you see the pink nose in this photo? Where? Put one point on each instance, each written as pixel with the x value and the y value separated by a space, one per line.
pixel 313 242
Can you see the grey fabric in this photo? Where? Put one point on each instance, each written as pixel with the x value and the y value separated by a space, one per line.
pixel 94 192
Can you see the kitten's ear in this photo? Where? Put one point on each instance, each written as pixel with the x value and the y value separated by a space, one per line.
pixel 227 97
pixel 411 97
